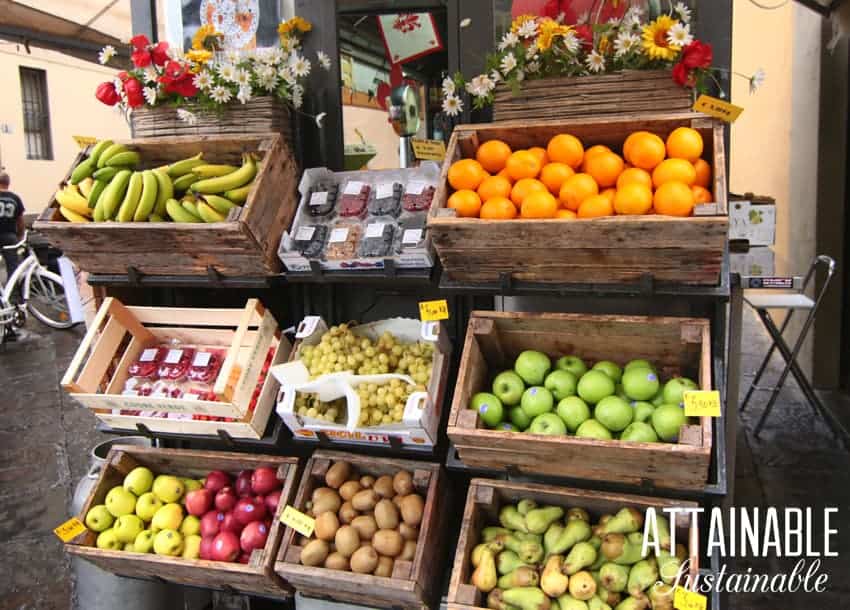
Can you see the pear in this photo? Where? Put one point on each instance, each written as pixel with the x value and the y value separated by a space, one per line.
pixel 528 537
pixel 600 561
pixel 526 505
pixel 661 596
pixel 538 520
pixel 597 529
pixel 597 604
pixel 494 547
pixel 508 561
pixel 495 601
pixel 484 577
pixel 626 521
pixel 581 556
pixel 550 538
pixel 663 531
pixel 578 513
pixel 609 597
pixel 614 577
pixel 529 552
pixel 511 518
pixel 576 531
pixel 668 567
pixel 553 581
pixel 634 603
pixel 582 586
pixel 489 533
pixel 595 542
pixel 568 602
pixel 643 574
pixel 618 549
pixel 527 598
pixel 523 576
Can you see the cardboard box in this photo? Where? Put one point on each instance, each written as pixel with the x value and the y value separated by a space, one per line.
pixel 752 218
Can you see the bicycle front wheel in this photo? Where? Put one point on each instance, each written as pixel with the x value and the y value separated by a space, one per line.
pixel 47 300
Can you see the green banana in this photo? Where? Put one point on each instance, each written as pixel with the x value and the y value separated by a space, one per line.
pixel 114 194
pixel 182 184
pixel 131 198
pixel 240 195
pixel 128 158
pixel 192 208
pixel 178 214
pixel 96 192
pixel 155 218
pixel 98 214
pixel 164 191
pixel 82 171
pixel 208 170
pixel 98 149
pixel 208 214
pixel 148 198
pixel 240 177
pixel 181 168
pixel 106 173
pixel 110 152
pixel 219 204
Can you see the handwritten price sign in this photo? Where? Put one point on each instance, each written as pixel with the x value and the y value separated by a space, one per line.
pixel 718 108
pixel 429 150
pixel 432 311
pixel 688 600
pixel 69 530
pixel 702 403
pixel 301 523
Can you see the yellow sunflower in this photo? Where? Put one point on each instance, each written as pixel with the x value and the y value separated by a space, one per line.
pixel 519 21
pixel 549 31
pixel 199 56
pixel 655 43
pixel 206 38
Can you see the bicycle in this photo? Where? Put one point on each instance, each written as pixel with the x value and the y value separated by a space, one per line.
pixel 42 294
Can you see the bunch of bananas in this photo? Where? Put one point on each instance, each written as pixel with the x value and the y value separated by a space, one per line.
pixel 106 186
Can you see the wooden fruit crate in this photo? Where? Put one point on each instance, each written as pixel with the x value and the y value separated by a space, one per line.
pixel 244 245
pixel 256 577
pixel 118 335
pixel 413 584
pixel 574 97
pixel 486 497
pixel 678 346
pixel 600 250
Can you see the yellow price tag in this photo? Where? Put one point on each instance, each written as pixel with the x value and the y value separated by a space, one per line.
pixel 69 530
pixel 431 311
pixel 85 141
pixel 718 108
pixel 301 523
pixel 688 600
pixel 702 403
pixel 429 150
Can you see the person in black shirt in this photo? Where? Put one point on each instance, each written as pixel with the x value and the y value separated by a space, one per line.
pixel 11 222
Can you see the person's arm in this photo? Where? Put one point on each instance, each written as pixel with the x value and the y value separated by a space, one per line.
pixel 19 223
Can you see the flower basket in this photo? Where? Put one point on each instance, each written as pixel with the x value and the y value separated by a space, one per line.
pixel 628 92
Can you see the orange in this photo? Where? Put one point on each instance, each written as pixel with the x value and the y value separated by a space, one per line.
pixel 540 153
pixel 566 214
pixel 498 208
pixel 610 194
pixel 701 194
pixel 493 155
pixel 674 170
pixel 593 150
pixel 553 176
pixel 541 204
pixel 703 173
pixel 633 199
pixel 576 189
pixel 523 188
pixel 684 143
pixel 595 206
pixel 494 186
pixel 466 174
pixel 605 168
pixel 644 150
pixel 565 148
pixel 674 199
pixel 523 164
pixel 634 175
pixel 466 202
pixel 504 174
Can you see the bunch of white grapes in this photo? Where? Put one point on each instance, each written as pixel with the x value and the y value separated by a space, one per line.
pixel 309 405
pixel 384 404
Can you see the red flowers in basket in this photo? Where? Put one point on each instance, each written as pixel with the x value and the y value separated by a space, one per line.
pixel 177 78
pixel 696 56
pixel 144 53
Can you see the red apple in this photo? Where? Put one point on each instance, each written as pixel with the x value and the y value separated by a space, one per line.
pixel 225 547
pixel 243 483
pixel 272 500
pixel 225 499
pixel 231 523
pixel 254 536
pixel 244 558
pixel 216 480
pixel 264 480
pixel 206 547
pixel 199 502
pixel 211 523
pixel 249 509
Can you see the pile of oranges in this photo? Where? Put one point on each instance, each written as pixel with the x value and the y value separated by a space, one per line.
pixel 566 181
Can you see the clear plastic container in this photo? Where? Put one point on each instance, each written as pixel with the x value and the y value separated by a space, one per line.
pixel 354 198
pixel 412 232
pixel 147 364
pixel 310 240
pixel 205 365
pixel 377 240
pixel 386 199
pixel 321 200
pixel 176 364
pixel 418 195
pixel 343 240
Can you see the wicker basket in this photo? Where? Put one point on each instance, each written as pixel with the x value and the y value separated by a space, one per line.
pixel 628 92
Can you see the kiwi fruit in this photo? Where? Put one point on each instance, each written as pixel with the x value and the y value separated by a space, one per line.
pixel 337 561
pixel 385 567
pixel 365 526
pixel 388 542
pixel 337 474
pixel 384 486
pixel 326 526
pixel 321 491
pixel 347 514
pixel 411 509
pixel 408 532
pixel 315 553
pixel 364 500
pixel 349 489
pixel 367 480
pixel 397 499
pixel 408 552
pixel 386 515
pixel 403 483
pixel 347 540
pixel 327 502
pixel 364 560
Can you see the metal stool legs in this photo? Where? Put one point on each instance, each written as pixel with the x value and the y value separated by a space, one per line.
pixel 764 363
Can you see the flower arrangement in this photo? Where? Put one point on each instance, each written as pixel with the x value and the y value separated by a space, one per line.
pixel 208 76
pixel 541 47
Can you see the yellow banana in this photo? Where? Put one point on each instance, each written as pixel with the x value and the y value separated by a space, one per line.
pixel 71 199
pixel 106 173
pixel 72 216
pixel 131 198
pixel 98 149
pixel 114 194
pixel 155 218
pixel 208 214
pixel 110 151
pixel 181 168
pixel 234 180
pixel 148 199
pixel 85 186
pixel 191 207
pixel 83 170
pixel 164 191
pixel 182 184
pixel 128 158
pixel 99 215
pixel 219 204
pixel 213 171
pixel 178 214
pixel 240 195
pixel 96 192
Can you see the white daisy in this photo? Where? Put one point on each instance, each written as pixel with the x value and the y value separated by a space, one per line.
pixel 528 29
pixel 531 52
pixel 119 86
pixel 150 95
pixel 287 75
pixel 452 105
pixel 679 35
pixel 625 43
pixel 448 86
pixel 583 17
pixel 269 83
pixel 495 76
pixel 300 65
pixel 533 67
pixel 244 94
pixel 288 43
pixel 520 76
pixel 508 63
pixel 320 119
pixel 203 80
pixel 242 78
pixel 150 74
pixel 480 86
pixel 220 95
pixel 232 56
pixel 757 80
pixel 297 97
pixel 324 60
pixel 508 40
pixel 276 56
pixel 227 71
pixel 266 72
pixel 571 42
pixel 106 54
pixel 187 117
pixel 595 62
pixel 682 11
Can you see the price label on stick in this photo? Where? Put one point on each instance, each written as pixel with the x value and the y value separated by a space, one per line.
pixel 432 311
pixel 717 108
pixel 702 403
pixel 69 530
pixel 688 600
pixel 301 523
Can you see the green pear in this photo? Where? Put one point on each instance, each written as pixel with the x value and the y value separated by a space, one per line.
pixel 169 517
pixel 108 541
pixel 99 519
pixel 550 538
pixel 144 542
pixel 568 602
pixel 620 550
pixel 139 481
pixel 529 552
pixel 614 577
pixel 119 502
pixel 147 505
pixel 484 577
pixel 538 520
pixel 668 566
pixel 634 603
pixel 663 526
pixel 511 518
pixel 595 541
pixel 528 537
pixel 168 488
pixel 489 533
pixel 191 547
pixel 127 527
pixel 495 601
pixel 609 597
pixel 191 526
pixel 582 585
pixel 525 505
pixel 523 576
pixel 600 559
pixel 639 432
pixel 527 598
pixel 575 531
pixel 578 513
pixel 643 574
pixel 643 411
pixel 168 542
pixel 581 556
pixel 596 603
pixel 626 521
pixel 553 580
pixel 507 561
pixel 494 546
pixel 661 596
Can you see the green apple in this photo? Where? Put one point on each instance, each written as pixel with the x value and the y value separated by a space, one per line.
pixel 614 413
pixel 548 423
pixel 191 526
pixel 109 541
pixel 168 542
pixel 144 542
pixel 609 368
pixel 119 502
pixel 139 481
pixel 169 517
pixel 127 527
pixel 640 383
pixel 667 420
pixel 573 364
pixel 594 386
pixel 675 389
pixel 561 384
pixel 593 429
pixel 508 387
pixel 489 408
pixel 147 505
pixel 168 488
pixel 98 519
pixel 639 432
pixel 532 366
pixel 658 399
pixel 643 410
pixel 191 546
pixel 519 418
pixel 191 484
pixel 574 411
pixel 619 391
pixel 536 401
pixel 638 364
pixel 505 426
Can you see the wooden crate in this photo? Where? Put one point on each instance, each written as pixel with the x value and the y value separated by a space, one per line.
pixel 119 334
pixel 678 346
pixel 600 250
pixel 574 97
pixel 245 244
pixel 256 577
pixel 413 585
pixel 486 497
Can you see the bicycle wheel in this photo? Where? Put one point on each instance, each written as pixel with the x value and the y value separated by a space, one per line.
pixel 47 299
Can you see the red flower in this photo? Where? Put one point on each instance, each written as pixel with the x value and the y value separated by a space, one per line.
pixel 159 54
pixel 697 55
pixel 585 34
pixel 140 42
pixel 682 76
pixel 123 76
pixel 107 94
pixel 133 89
pixel 178 79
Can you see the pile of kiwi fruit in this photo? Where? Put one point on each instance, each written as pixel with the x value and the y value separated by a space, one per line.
pixel 364 524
